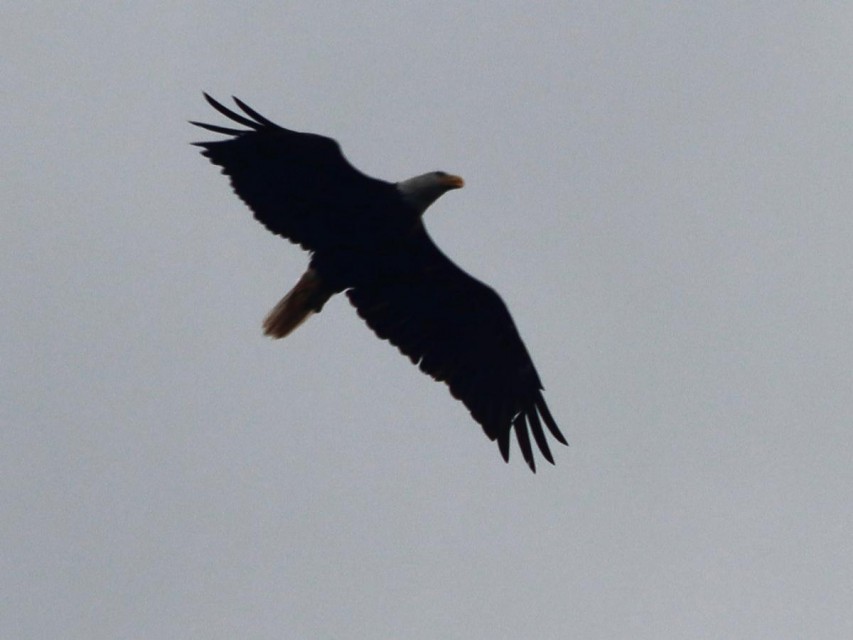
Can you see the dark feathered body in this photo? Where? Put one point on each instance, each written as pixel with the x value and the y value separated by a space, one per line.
pixel 367 238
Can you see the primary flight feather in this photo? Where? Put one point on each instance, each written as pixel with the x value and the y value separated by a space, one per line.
pixel 366 237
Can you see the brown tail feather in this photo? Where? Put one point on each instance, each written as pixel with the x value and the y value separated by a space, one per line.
pixel 307 297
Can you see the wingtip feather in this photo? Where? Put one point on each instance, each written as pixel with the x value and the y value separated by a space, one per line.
pixel 228 113
pixel 539 435
pixel 549 420
pixel 523 439
pixel 503 445
pixel 217 129
pixel 254 114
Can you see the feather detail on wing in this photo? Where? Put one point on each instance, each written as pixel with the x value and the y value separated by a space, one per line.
pixel 298 185
pixel 459 331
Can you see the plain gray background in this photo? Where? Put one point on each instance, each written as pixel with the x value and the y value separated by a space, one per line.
pixel 661 193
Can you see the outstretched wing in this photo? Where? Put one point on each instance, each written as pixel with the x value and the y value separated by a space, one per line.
pixel 299 185
pixel 459 331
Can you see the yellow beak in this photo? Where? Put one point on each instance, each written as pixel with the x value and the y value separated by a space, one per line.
pixel 454 182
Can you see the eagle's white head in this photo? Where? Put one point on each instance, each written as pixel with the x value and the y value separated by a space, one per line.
pixel 421 191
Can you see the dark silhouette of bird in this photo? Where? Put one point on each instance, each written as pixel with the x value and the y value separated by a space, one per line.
pixel 366 238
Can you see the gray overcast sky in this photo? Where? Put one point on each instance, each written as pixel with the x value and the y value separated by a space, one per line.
pixel 661 193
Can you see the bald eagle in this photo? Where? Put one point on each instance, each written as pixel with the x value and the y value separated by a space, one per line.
pixel 366 238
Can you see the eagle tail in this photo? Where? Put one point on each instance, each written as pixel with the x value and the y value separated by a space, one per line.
pixel 306 298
